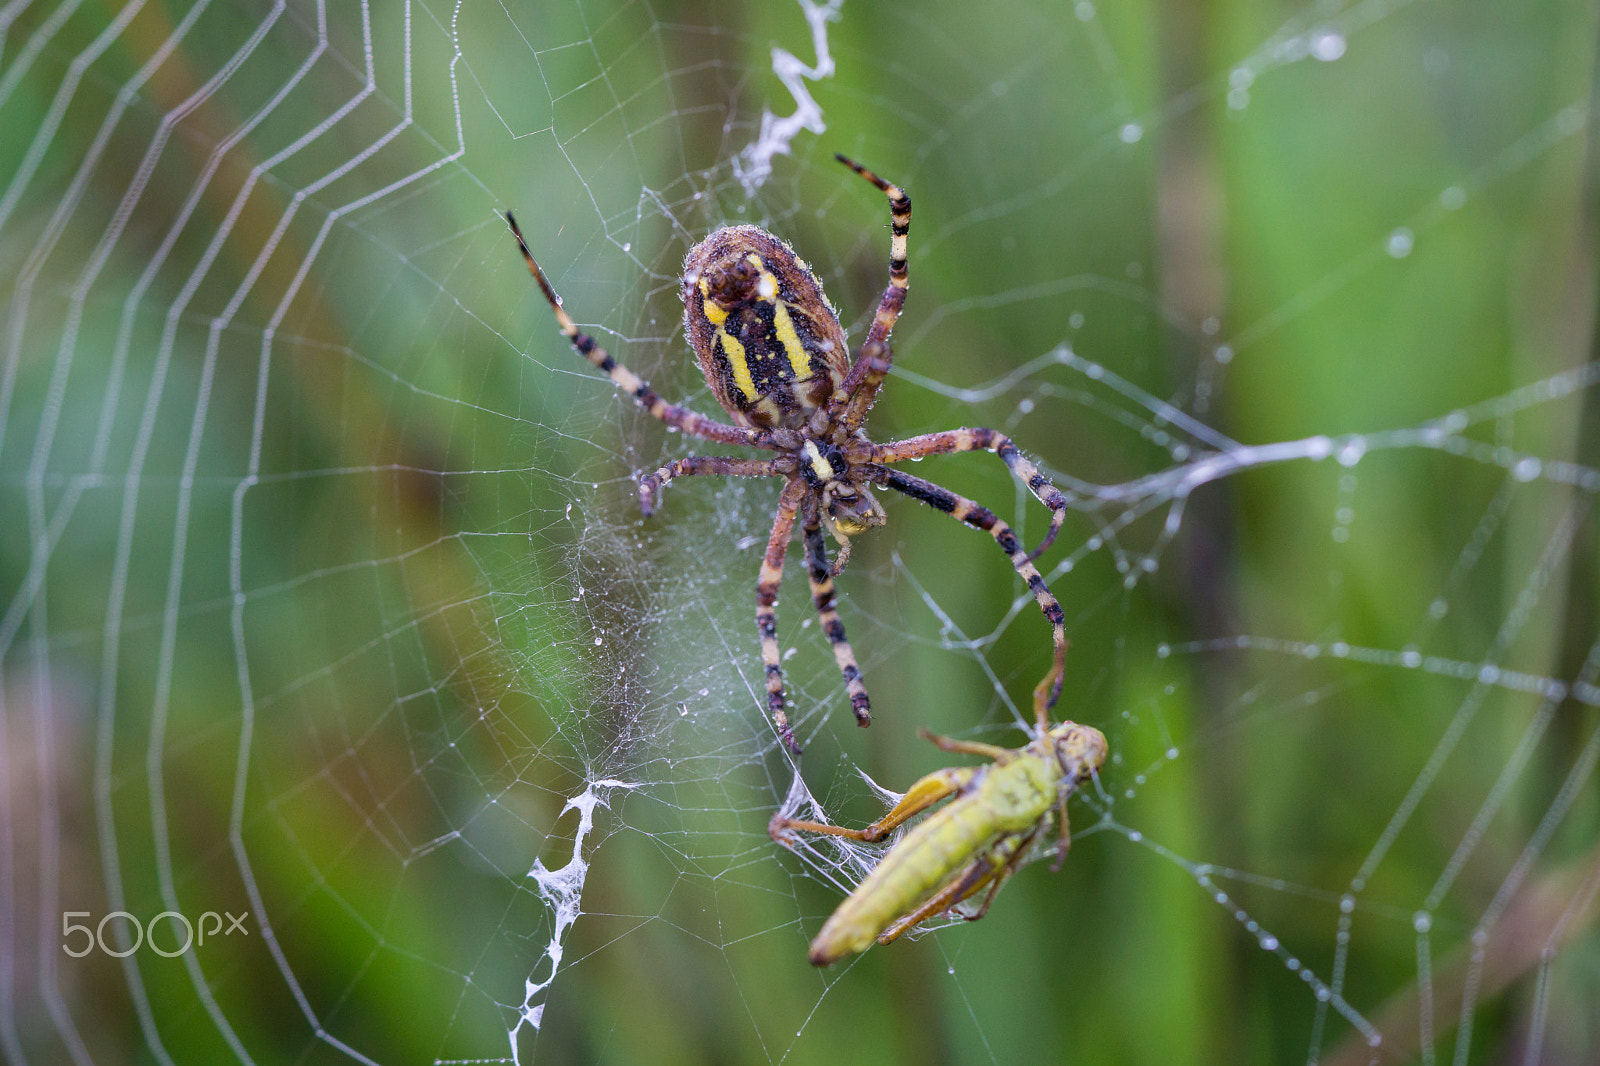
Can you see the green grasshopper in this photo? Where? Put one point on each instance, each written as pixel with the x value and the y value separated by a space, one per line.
pixel 975 841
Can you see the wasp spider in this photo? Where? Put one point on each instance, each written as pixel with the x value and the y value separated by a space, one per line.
pixel 774 354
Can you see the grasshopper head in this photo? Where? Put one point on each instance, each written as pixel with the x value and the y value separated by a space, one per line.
pixel 1080 750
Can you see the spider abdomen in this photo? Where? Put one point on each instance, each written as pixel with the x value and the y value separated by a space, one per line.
pixel 769 344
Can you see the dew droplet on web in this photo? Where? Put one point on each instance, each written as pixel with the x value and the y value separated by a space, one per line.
pixel 1327 45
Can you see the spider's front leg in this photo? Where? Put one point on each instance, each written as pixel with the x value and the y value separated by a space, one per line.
pixel 860 386
pixel 767 605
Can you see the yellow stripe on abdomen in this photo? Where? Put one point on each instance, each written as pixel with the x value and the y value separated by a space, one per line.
pixel 739 364
pixel 713 311
pixel 783 326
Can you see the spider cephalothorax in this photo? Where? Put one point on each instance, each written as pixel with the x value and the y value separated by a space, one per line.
pixel 772 350
pixel 848 507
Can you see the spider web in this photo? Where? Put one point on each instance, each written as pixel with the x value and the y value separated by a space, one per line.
pixel 327 602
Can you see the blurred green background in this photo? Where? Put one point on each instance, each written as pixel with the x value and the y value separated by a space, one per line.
pixel 326 598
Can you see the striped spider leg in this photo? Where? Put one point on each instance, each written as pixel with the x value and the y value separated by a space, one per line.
pixel 872 365
pixel 980 517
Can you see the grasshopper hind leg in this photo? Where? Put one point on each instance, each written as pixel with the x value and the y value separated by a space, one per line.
pixel 992 870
